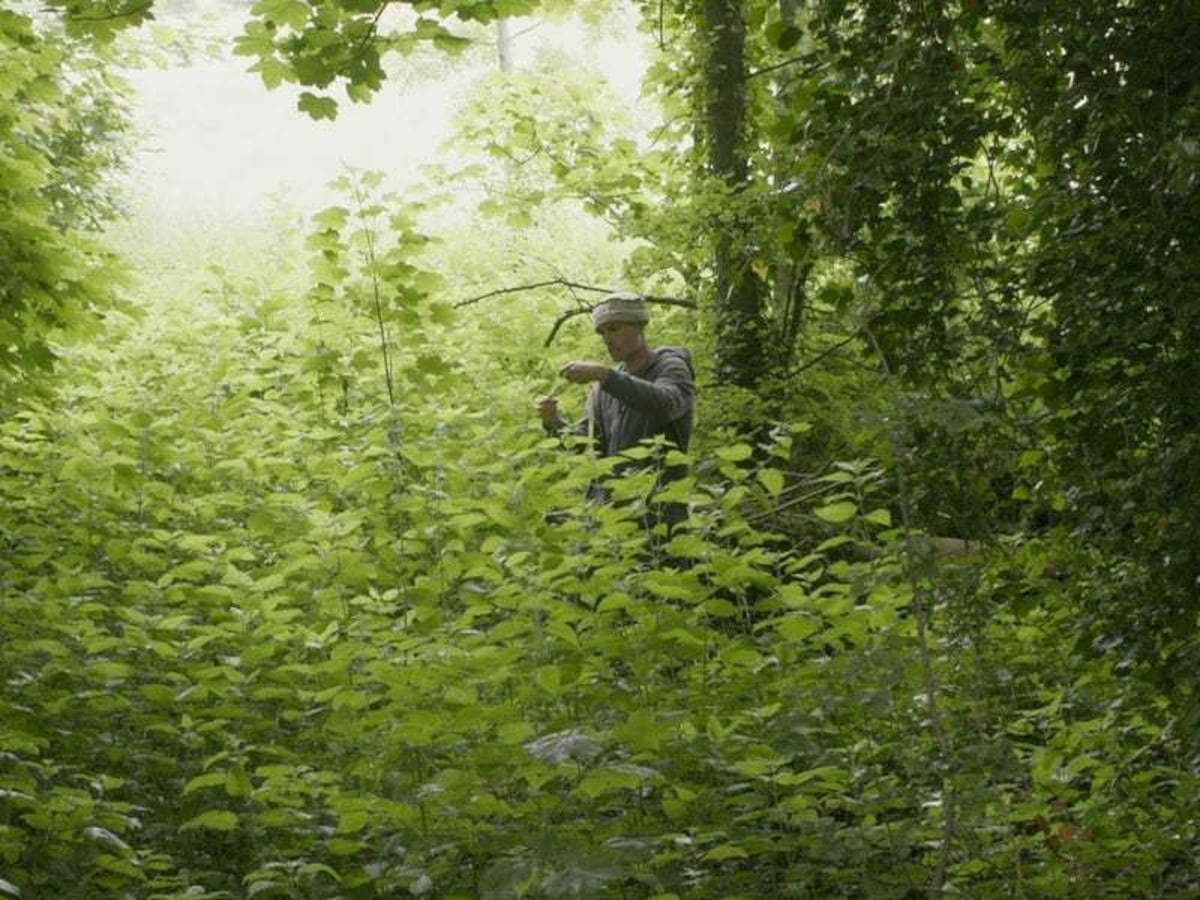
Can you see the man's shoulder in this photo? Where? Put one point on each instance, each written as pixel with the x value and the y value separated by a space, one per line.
pixel 668 359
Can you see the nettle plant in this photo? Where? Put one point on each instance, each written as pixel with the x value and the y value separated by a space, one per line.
pixel 261 642
pixel 288 612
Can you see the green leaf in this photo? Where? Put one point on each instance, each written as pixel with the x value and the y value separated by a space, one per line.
pixel 1018 220
pixel 343 846
pixel 434 365
pixel 726 851
pixel 772 480
pixel 796 627
pixel 107 838
pixel 209 779
pixel 258 888
pixel 237 782
pixel 292 13
pixel 789 37
pixel 317 107
pixel 879 517
pixel 564 632
pixel 332 218
pixel 213 820
pixel 109 670
pixel 736 453
pixel 514 732
pixel 720 607
pixel 158 694
pixel 837 513
pixel 605 781
pixel 353 822
pixel 641 731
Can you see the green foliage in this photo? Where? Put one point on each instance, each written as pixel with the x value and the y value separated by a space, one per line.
pixel 61 120
pixel 1021 238
pixel 298 603
pixel 1120 343
pixel 559 138
pixel 318 44
pixel 270 632
pixel 102 19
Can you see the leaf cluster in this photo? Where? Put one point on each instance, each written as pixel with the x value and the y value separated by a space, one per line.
pixel 62 117
pixel 262 643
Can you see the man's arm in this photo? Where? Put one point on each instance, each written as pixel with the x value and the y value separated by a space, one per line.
pixel 552 422
pixel 667 397
pixel 554 425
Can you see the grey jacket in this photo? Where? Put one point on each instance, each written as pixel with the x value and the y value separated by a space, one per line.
pixel 628 408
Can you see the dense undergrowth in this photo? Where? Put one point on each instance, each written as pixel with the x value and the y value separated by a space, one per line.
pixel 297 601
pixel 268 633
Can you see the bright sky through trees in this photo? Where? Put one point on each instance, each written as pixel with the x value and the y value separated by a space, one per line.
pixel 219 146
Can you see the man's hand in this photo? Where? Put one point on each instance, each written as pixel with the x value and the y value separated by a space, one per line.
pixel 548 410
pixel 582 372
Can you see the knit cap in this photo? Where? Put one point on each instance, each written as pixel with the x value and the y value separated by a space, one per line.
pixel 621 307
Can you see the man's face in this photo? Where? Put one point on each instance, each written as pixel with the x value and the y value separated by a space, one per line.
pixel 621 338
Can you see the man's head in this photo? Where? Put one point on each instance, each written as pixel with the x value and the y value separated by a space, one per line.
pixel 620 320
pixel 623 307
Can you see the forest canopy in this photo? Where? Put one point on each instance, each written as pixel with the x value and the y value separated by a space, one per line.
pixel 298 600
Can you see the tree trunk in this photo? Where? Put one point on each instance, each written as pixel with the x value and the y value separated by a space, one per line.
pixel 788 281
pixel 503 46
pixel 739 300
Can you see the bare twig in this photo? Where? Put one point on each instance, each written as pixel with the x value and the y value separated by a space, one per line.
pixel 863 328
pixel 824 354
pixel 373 264
pixel 526 30
pixel 662 129
pixel 575 286
pixel 512 158
pixel 562 320
pixel 790 502
pixel 808 70
pixel 372 30
pixel 553 282
pixel 583 307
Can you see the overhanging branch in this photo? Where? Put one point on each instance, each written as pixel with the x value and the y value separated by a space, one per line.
pixel 553 282
pixel 581 309
pixel 811 69
pixel 141 9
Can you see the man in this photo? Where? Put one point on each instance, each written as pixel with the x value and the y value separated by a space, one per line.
pixel 648 393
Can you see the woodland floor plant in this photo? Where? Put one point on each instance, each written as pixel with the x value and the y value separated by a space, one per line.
pixel 271 631
pixel 297 601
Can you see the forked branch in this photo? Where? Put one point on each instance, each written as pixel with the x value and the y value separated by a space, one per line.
pixel 582 309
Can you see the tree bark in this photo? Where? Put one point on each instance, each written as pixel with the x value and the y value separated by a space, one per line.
pixel 788 279
pixel 503 46
pixel 739 294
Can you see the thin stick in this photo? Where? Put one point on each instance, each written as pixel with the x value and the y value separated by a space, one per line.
pixel 570 285
pixel 559 322
pixel 373 29
pixel 808 70
pixel 793 501
pixel 553 282
pixel 824 354
pixel 374 267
